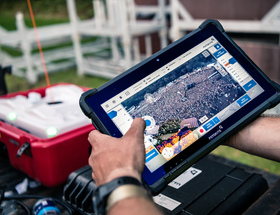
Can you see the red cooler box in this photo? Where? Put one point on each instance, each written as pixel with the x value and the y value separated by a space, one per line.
pixel 45 132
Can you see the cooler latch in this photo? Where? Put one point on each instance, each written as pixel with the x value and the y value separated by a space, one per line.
pixel 25 148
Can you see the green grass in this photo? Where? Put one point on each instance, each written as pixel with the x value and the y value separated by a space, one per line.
pixel 248 159
pixel 46 12
pixel 8 20
pixel 15 84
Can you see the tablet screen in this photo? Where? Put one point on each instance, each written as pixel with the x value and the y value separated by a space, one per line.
pixel 183 100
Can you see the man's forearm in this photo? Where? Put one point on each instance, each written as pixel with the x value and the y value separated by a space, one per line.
pixel 261 137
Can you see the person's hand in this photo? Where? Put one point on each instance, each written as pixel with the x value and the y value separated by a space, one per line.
pixel 115 157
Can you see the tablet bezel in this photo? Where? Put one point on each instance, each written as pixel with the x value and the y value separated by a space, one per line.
pixel 91 101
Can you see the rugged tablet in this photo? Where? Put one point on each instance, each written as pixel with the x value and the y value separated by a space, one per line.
pixel 193 95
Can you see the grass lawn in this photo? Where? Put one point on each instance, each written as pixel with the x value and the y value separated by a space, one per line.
pixel 248 159
pixel 44 15
pixel 15 84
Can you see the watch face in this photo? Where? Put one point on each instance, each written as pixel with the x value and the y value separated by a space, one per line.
pixel 167 152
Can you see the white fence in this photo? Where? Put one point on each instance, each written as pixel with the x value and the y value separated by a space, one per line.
pixel 29 64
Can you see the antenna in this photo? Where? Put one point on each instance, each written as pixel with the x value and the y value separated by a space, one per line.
pixel 38 43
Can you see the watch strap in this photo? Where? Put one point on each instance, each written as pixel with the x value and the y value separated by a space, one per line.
pixel 124 192
pixel 102 192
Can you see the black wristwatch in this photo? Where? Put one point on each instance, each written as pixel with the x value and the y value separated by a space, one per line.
pixel 101 194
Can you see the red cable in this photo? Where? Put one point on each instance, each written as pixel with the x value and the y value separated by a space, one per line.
pixel 39 44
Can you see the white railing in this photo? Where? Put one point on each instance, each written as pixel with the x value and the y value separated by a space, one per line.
pixel 117 25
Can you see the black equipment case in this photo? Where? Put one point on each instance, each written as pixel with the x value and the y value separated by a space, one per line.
pixel 209 187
